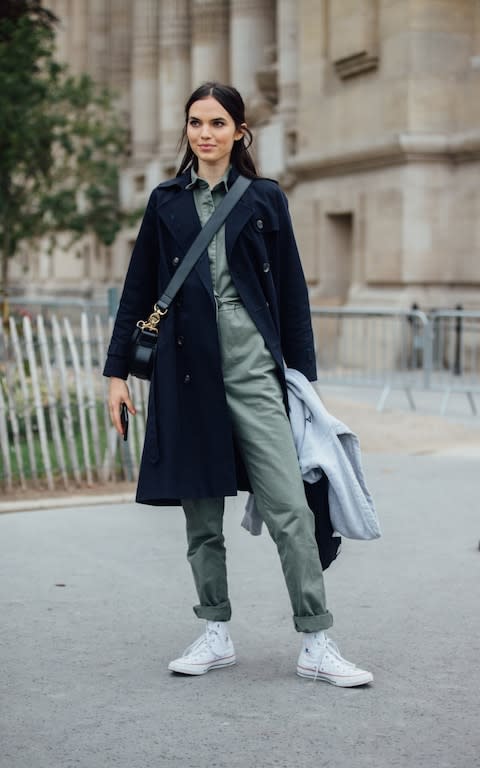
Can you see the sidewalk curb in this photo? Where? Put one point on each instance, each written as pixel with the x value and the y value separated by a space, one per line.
pixel 65 501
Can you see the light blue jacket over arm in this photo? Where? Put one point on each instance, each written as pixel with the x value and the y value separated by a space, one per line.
pixel 325 444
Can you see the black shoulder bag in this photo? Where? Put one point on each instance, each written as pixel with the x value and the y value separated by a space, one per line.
pixel 143 343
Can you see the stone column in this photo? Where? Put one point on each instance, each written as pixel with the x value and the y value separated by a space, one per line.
pixel 97 39
pixel 120 60
pixel 476 30
pixel 79 35
pixel 144 78
pixel 209 41
pixel 63 28
pixel 287 58
pixel 314 72
pixel 173 74
pixel 252 41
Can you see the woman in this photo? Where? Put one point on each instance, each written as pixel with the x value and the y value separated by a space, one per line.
pixel 217 418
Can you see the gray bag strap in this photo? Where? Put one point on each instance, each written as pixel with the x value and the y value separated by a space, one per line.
pixel 202 241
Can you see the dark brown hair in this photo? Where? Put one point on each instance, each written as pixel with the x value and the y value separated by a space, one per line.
pixel 232 102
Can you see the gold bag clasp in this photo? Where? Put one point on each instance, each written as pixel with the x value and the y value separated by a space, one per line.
pixel 153 321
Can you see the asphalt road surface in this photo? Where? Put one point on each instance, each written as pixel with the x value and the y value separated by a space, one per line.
pixel 95 601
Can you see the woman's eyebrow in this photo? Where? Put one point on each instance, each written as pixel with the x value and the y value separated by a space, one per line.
pixel 212 119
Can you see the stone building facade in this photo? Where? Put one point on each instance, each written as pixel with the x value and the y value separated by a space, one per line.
pixel 367 111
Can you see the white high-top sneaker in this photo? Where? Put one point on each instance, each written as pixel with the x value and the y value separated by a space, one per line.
pixel 320 659
pixel 212 650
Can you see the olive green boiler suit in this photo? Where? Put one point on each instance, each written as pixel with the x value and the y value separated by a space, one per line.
pixel 264 437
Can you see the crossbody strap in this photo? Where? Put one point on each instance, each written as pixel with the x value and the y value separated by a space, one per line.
pixel 199 245
pixel 202 241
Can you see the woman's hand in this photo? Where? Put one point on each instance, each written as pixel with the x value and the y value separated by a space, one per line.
pixel 118 393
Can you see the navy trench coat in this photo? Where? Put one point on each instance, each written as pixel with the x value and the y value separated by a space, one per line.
pixel 189 449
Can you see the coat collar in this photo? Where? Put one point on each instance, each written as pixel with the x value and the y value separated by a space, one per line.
pixel 179 214
pixel 185 178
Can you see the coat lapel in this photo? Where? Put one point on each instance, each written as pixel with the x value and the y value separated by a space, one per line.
pixel 235 223
pixel 180 217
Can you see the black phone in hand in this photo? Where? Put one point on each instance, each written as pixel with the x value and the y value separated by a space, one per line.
pixel 124 420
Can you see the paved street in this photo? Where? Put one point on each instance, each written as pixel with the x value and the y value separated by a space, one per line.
pixel 96 600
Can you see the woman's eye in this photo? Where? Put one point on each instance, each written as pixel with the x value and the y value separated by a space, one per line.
pixel 194 123
pixel 219 123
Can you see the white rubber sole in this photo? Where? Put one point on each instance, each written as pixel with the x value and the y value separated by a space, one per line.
pixel 183 668
pixel 347 681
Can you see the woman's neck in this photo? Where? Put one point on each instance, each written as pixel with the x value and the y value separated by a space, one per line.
pixel 212 172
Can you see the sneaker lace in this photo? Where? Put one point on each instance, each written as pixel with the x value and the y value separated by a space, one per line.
pixel 200 643
pixel 333 649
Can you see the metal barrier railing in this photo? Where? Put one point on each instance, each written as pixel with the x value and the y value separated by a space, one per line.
pixel 455 338
pixel 399 349
pixel 383 348
pixel 54 424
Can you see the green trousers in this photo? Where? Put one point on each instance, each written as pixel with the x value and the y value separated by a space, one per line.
pixel 263 434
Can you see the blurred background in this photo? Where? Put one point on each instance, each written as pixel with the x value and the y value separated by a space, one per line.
pixel 367 111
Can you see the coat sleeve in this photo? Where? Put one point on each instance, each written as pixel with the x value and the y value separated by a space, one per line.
pixel 139 293
pixel 296 332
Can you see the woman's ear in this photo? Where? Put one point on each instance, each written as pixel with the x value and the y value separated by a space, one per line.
pixel 240 133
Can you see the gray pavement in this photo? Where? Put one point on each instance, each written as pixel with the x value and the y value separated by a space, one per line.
pixel 96 600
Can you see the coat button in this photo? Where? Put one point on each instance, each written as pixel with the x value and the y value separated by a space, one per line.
pixel 180 341
pixel 266 267
pixel 175 261
pixel 259 224
pixel 187 379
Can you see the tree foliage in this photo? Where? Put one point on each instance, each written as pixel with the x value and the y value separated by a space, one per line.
pixel 60 140
pixel 13 10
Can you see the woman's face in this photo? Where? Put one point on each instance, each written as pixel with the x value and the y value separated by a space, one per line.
pixel 211 132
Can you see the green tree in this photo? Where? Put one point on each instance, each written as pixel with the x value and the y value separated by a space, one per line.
pixel 61 143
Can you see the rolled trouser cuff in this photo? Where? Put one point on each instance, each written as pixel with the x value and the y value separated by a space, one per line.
pixel 313 623
pixel 220 612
